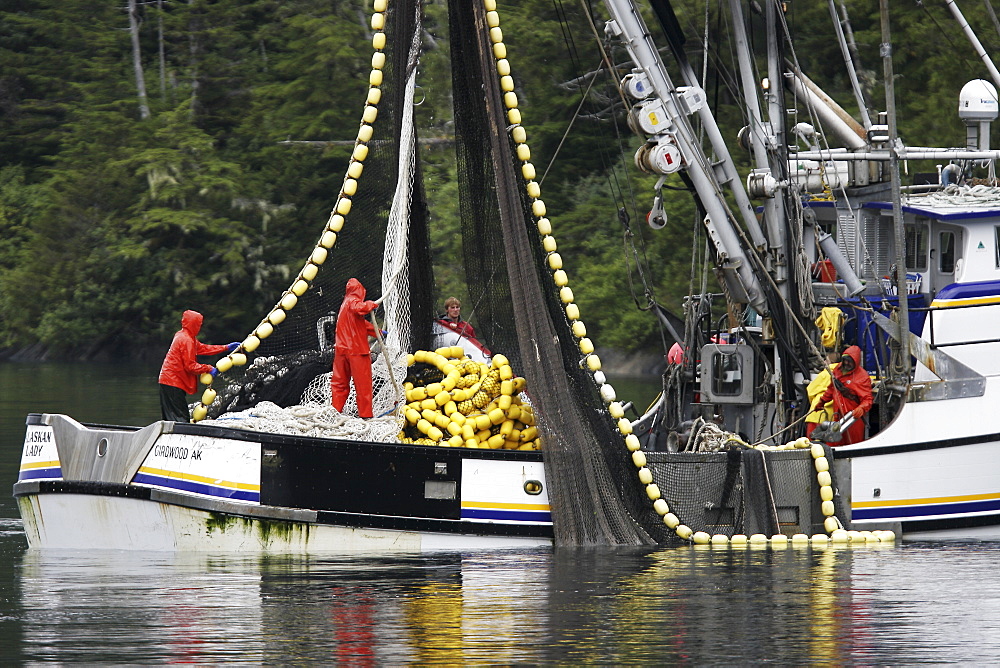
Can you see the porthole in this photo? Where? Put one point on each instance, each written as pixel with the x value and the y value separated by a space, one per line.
pixel 533 487
pixel 102 447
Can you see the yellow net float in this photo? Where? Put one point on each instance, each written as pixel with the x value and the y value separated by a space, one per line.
pixel 532 188
pixel 499 51
pixel 309 271
pixel 319 255
pixel 496 35
pixel 555 261
pixel 199 413
pixel 503 67
pixel 371 113
pixel 328 239
pixel 544 226
pixel 507 85
pixel 205 378
pixel 276 317
pixel 523 152
pixel 514 116
pixel 288 301
pixel 264 330
pixel 359 154
pixel 378 40
pixel 492 19
pixel 250 343
pixel 653 491
pixel 365 132
pixel 378 21
pixel 549 244
pixel 343 206
pixel 538 207
pixel 632 442
pixel 208 396
pixel 378 60
pixel 510 100
pixel 224 364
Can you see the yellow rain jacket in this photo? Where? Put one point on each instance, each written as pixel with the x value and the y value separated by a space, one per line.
pixel 814 390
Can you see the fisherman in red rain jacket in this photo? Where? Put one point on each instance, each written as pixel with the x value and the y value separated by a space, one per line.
pixel 180 370
pixel 851 392
pixel 351 353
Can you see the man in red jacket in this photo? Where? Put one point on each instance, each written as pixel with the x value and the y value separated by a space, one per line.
pixel 351 353
pixel 180 370
pixel 851 392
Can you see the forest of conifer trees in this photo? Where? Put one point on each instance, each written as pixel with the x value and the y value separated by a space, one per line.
pixel 163 155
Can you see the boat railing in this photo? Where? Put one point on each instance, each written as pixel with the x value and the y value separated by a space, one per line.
pixel 931 310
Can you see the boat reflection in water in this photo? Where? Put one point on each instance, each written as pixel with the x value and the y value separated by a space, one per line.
pixel 831 605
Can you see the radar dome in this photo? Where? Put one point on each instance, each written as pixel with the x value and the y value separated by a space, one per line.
pixel 978 101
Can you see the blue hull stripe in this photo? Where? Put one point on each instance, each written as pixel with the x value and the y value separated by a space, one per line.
pixel 516 515
pixel 196 487
pixel 926 511
pixel 35 474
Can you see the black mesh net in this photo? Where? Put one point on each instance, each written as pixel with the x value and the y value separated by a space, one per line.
pixel 594 491
pixel 300 349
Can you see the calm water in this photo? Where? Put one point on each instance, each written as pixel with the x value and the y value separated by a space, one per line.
pixel 916 603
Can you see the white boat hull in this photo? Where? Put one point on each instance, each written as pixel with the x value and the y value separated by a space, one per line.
pixel 933 469
pixel 86 521
pixel 189 488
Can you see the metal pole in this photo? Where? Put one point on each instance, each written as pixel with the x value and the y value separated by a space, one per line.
pixel 897 213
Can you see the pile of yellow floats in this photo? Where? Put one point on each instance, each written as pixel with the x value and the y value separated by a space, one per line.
pixel 455 401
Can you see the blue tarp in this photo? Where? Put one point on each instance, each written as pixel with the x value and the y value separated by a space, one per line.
pixel 862 331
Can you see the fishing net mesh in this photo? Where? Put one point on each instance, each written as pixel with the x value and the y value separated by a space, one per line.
pixel 594 492
pixel 291 368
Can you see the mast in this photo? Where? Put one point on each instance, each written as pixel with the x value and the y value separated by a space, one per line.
pixel 897 212
pixel 664 115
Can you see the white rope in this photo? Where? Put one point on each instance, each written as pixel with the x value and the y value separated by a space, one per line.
pixel 957 196
pixel 313 419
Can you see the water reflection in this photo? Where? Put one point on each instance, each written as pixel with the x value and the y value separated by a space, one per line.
pixel 867 605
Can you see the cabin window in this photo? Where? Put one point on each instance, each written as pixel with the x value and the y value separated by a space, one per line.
pixel 916 247
pixel 946 264
pixel 727 374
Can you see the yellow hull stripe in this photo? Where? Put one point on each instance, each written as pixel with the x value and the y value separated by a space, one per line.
pixel 200 478
pixel 506 506
pixel 927 501
pixel 968 301
pixel 40 465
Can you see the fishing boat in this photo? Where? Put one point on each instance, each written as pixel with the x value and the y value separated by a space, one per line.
pixel 531 445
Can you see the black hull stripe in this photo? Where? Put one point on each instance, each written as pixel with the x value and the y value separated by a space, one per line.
pixel 839 453
pixel 951 524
